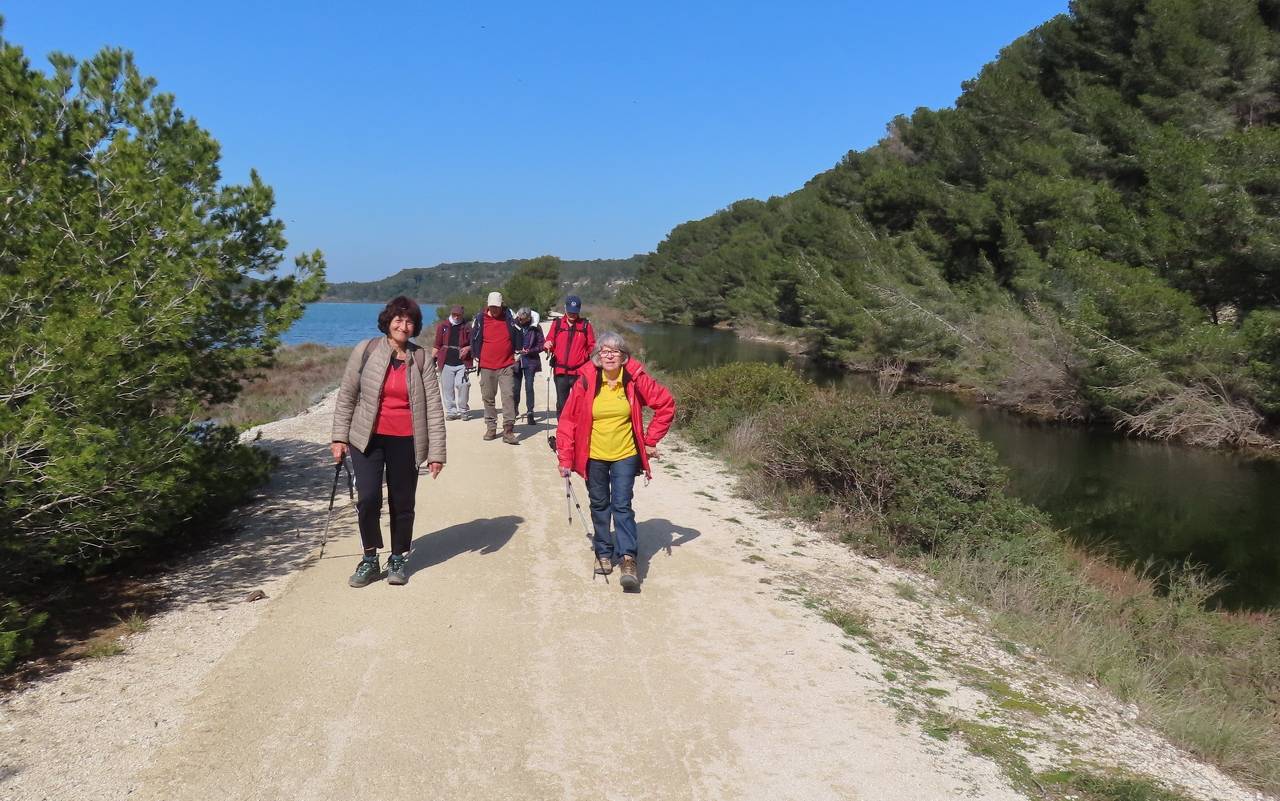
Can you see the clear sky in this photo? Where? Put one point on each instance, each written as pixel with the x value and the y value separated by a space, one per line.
pixel 403 134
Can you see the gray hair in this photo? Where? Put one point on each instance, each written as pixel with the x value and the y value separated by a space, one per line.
pixel 611 339
pixel 524 312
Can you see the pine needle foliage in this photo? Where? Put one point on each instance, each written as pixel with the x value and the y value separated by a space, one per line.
pixel 135 287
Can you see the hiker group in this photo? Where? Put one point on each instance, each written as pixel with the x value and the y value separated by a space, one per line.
pixel 394 401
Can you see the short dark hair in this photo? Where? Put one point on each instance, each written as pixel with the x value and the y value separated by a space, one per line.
pixel 396 307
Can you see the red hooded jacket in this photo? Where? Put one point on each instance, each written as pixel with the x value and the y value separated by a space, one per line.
pixel 573 434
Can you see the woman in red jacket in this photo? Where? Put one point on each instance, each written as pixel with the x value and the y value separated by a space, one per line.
pixel 601 437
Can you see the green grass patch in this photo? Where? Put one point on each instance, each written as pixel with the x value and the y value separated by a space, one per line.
pixel 905 591
pixel 1100 787
pixel 853 624
pixel 103 649
pixel 135 623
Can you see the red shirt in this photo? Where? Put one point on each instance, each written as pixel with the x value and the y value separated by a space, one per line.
pixel 394 417
pixel 495 350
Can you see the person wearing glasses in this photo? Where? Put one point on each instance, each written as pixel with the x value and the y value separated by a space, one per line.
pixel 601 437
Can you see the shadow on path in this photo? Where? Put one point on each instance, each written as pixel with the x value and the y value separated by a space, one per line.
pixel 659 535
pixel 483 536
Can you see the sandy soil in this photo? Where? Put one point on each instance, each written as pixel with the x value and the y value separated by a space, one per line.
pixel 505 670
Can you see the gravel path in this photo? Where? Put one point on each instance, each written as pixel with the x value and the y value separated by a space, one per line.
pixel 503 670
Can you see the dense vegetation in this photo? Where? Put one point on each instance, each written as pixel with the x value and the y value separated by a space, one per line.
pixel 891 478
pixel 126 308
pixel 595 281
pixel 535 284
pixel 1092 231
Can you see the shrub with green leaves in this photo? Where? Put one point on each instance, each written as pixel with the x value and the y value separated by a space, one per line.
pixel 714 400
pixel 927 481
pixel 136 288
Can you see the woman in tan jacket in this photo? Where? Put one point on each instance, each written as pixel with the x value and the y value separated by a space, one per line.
pixel 388 417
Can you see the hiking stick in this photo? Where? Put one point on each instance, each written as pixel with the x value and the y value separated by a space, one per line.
pixel 351 487
pixel 551 440
pixel 570 503
pixel 333 494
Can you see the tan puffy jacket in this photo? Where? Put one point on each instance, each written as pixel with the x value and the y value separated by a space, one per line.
pixel 360 395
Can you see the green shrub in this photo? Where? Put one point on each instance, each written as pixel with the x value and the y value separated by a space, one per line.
pixel 927 481
pixel 16 628
pixel 712 402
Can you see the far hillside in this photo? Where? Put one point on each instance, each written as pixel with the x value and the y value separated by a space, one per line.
pixel 596 281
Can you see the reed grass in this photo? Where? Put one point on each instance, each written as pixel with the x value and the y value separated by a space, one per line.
pixel 302 376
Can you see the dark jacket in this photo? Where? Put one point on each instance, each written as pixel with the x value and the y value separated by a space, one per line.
pixel 573 434
pixel 442 343
pixel 477 333
pixel 530 348
pixel 570 344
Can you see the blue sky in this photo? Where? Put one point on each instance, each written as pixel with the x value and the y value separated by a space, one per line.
pixel 405 134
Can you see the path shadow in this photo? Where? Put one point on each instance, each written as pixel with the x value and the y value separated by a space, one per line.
pixel 659 536
pixel 483 536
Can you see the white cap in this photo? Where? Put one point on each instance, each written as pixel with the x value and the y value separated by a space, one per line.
pixel 495 299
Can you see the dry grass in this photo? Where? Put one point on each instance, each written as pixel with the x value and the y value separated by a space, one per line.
pixel 1202 414
pixel 302 375
pixel 1210 680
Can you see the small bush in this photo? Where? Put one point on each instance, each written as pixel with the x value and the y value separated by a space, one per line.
pixel 925 479
pixel 16 628
pixel 713 402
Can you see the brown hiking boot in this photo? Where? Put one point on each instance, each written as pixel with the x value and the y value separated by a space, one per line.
pixel 509 434
pixel 604 565
pixel 490 433
pixel 630 581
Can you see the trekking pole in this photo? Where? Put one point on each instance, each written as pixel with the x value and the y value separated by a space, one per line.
pixel 551 439
pixel 570 503
pixel 333 494
pixel 351 486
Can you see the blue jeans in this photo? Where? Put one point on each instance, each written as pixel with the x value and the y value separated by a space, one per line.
pixel 610 486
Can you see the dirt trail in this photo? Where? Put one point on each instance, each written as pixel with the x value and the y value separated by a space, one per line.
pixel 502 670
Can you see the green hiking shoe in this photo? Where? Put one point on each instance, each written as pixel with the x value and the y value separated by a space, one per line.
pixel 366 573
pixel 396 569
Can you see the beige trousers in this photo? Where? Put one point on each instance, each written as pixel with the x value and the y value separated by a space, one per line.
pixel 500 383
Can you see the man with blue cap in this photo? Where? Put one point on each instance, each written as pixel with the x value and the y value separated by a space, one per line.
pixel 569 342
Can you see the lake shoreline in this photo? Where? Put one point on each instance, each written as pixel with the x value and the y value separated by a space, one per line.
pixel 802 350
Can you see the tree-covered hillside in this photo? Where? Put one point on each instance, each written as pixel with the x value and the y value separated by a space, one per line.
pixel 595 281
pixel 1092 230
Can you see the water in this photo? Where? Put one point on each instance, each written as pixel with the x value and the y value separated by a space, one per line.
pixel 1137 499
pixel 342 324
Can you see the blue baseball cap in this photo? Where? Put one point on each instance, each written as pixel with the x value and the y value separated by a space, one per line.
pixel 573 304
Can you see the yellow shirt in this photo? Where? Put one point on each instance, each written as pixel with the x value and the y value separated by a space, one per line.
pixel 611 437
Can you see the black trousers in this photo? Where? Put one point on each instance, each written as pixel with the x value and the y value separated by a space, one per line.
pixel 564 383
pixel 394 456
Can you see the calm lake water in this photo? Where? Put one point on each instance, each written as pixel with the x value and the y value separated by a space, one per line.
pixel 1139 500
pixel 340 324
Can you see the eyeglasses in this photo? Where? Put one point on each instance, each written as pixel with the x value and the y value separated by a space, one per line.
pixel 610 352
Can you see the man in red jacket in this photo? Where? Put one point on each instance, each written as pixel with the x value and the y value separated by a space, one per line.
pixel 494 342
pixel 570 342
